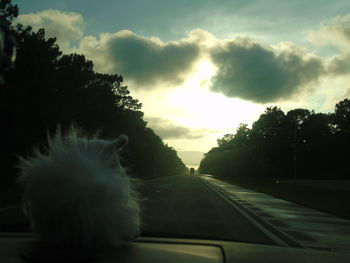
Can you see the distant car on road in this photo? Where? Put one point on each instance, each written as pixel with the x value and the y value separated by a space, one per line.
pixel 191 171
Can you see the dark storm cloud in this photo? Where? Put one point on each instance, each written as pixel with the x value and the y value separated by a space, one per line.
pixel 167 130
pixel 149 61
pixel 249 71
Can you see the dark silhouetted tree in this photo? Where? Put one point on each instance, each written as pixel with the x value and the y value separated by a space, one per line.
pixel 299 144
pixel 47 89
pixel 8 11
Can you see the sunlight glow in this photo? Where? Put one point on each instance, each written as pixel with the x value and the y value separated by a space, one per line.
pixel 211 110
pixel 205 70
pixel 194 106
pixel 208 109
pixel 202 75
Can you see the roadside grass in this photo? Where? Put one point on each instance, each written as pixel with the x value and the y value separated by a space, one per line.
pixel 332 201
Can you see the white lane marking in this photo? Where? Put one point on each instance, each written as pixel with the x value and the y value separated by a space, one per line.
pixel 251 219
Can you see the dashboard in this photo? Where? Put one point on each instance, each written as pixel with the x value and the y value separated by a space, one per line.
pixel 21 247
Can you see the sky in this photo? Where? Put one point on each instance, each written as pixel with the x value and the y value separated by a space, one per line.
pixel 202 67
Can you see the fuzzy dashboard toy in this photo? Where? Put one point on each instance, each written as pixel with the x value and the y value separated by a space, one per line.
pixel 78 193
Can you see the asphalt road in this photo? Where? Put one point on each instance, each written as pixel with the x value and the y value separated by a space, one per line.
pixel 185 206
pixel 177 206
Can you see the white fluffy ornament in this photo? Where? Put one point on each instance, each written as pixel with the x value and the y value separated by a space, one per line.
pixel 78 193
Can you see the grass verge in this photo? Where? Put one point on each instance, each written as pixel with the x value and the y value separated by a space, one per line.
pixel 334 202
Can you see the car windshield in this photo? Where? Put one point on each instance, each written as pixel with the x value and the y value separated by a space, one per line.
pixel 236 113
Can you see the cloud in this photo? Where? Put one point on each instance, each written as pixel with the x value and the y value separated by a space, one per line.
pixel 334 31
pixel 145 61
pixel 246 69
pixel 66 26
pixel 168 130
pixel 339 65
pixel 249 71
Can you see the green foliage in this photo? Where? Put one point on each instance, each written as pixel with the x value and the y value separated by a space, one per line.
pixel 225 141
pixel 8 11
pixel 47 89
pixel 341 117
pixel 299 144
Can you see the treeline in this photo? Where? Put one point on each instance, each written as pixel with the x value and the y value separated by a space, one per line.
pixel 48 88
pixel 298 145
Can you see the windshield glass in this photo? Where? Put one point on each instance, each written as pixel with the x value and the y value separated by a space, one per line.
pixel 236 113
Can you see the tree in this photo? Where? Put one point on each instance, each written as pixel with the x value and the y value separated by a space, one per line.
pixel 242 135
pixel 316 128
pixel 300 144
pixel 47 88
pixel 298 116
pixel 268 124
pixel 8 11
pixel 341 116
pixel 225 140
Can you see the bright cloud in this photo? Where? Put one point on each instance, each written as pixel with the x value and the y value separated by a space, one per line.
pixel 340 65
pixel 66 26
pixel 334 31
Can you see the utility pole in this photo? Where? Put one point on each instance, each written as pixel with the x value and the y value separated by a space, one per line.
pixel 262 158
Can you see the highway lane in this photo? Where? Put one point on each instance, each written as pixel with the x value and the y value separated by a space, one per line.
pixel 178 206
pixel 185 205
